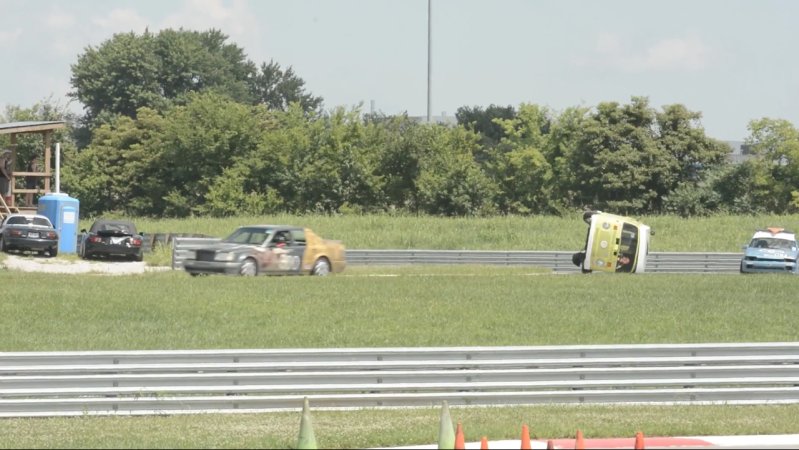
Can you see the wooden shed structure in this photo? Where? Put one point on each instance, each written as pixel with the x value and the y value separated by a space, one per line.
pixel 45 129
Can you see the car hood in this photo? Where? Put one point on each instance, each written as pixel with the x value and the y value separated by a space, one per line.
pixel 772 253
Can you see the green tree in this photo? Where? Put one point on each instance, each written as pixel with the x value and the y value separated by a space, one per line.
pixel 278 89
pixel 519 166
pixel 114 174
pixel 118 77
pixel 450 182
pixel 775 166
pixel 618 163
pixel 131 71
pixel 486 122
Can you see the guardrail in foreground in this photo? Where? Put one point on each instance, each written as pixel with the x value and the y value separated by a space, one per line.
pixel 180 382
pixel 557 261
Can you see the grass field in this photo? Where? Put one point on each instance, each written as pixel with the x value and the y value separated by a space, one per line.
pixel 712 234
pixel 405 306
pixel 386 428
pixel 413 306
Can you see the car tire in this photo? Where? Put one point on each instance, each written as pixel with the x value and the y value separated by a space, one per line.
pixel 249 268
pixel 53 251
pixel 3 246
pixel 139 257
pixel 321 267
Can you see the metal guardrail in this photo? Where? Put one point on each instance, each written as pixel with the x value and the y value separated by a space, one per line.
pixel 183 382
pixel 557 261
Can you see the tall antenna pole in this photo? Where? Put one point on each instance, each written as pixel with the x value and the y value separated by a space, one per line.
pixel 429 56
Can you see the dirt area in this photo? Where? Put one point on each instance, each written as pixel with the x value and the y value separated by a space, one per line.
pixel 28 263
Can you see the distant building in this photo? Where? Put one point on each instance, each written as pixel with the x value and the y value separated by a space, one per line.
pixel 443 119
pixel 740 151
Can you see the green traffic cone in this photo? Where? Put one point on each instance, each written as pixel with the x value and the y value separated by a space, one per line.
pixel 307 439
pixel 446 434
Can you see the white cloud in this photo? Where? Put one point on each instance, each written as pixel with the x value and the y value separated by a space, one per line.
pixel 10 37
pixel 672 54
pixel 59 20
pixel 121 20
pixel 235 20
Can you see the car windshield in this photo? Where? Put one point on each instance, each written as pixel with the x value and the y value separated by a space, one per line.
pixel 251 236
pixel 628 246
pixel 773 243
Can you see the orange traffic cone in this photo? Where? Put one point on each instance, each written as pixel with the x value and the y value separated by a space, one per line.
pixel 550 445
pixel 579 444
pixel 484 443
pixel 525 438
pixel 639 441
pixel 459 440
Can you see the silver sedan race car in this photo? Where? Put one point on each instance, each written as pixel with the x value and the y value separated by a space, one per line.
pixel 268 250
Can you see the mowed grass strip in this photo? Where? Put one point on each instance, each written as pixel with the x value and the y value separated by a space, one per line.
pixel 721 233
pixel 390 307
pixel 388 428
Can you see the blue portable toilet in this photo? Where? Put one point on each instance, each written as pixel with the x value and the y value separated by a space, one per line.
pixel 64 212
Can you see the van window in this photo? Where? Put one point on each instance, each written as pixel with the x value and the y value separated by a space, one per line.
pixel 628 246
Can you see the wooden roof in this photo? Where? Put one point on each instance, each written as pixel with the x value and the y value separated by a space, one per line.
pixel 30 126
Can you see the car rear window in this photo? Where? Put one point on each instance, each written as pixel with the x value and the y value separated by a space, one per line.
pixel 17 220
pixel 22 220
pixel 41 221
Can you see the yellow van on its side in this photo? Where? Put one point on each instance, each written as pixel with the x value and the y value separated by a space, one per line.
pixel 613 244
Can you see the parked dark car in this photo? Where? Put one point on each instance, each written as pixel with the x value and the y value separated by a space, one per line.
pixel 111 238
pixel 28 232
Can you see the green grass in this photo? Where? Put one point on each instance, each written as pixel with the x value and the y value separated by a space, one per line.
pixel 404 306
pixel 718 233
pixel 386 428
pixel 362 307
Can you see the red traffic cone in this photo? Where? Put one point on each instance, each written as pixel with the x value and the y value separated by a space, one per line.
pixel 525 438
pixel 639 441
pixel 484 443
pixel 579 444
pixel 459 440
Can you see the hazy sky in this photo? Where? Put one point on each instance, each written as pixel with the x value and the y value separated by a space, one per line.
pixel 731 60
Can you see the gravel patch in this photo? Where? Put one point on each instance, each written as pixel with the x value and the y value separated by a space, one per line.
pixel 56 265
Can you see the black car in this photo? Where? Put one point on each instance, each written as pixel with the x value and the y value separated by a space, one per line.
pixel 115 238
pixel 28 232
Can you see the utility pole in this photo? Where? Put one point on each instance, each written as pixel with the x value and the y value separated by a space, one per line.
pixel 429 56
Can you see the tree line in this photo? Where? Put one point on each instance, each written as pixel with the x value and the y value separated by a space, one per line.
pixel 180 123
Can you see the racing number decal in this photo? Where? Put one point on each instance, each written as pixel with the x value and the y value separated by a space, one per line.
pixel 285 260
pixel 288 262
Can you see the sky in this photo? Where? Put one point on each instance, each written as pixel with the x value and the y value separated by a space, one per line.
pixel 731 60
